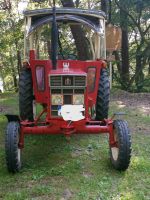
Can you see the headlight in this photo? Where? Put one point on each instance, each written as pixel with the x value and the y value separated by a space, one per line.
pixel 57 99
pixel 91 78
pixel 78 99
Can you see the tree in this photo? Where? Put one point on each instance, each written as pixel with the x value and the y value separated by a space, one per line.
pixel 132 66
pixel 135 25
pixel 78 33
pixel 11 40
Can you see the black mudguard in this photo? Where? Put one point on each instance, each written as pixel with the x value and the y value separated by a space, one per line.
pixel 12 118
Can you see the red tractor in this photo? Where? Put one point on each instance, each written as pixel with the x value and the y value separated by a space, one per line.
pixel 74 94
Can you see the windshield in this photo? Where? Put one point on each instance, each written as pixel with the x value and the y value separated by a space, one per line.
pixel 76 42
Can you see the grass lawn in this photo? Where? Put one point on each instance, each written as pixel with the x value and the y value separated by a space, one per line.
pixel 80 170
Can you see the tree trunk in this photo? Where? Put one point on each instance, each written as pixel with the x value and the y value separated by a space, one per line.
pixel 3 80
pixel 49 48
pixel 19 64
pixel 78 33
pixel 13 73
pixel 81 42
pixel 117 58
pixel 104 6
pixel 67 3
pixel 139 72
pixel 125 56
pixel 109 12
pixel 15 82
pixel 125 48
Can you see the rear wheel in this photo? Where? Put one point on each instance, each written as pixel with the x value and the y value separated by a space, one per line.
pixel 26 95
pixel 102 104
pixel 120 154
pixel 13 153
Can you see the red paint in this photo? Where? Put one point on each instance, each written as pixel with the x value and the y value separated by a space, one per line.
pixel 56 125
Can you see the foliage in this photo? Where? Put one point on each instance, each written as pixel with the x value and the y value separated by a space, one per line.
pixel 137 17
pixel 11 42
pixel 134 14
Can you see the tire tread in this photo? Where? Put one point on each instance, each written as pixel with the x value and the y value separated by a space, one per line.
pixel 102 104
pixel 124 137
pixel 11 147
pixel 26 95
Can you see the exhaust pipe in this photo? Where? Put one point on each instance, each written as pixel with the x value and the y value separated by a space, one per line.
pixel 54 39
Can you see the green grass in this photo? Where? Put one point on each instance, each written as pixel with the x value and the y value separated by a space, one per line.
pixel 8 103
pixel 52 166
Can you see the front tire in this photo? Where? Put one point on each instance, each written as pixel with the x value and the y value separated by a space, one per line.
pixel 13 153
pixel 120 154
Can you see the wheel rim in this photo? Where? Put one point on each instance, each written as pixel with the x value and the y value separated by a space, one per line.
pixel 19 155
pixel 18 150
pixel 115 150
pixel 34 109
pixel 115 153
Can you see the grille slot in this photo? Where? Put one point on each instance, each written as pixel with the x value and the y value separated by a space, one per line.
pixel 80 81
pixel 56 91
pixel 67 91
pixel 55 113
pixel 79 91
pixel 54 108
pixel 55 81
pixel 67 99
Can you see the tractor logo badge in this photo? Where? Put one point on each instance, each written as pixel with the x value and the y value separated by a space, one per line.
pixel 67 81
pixel 65 67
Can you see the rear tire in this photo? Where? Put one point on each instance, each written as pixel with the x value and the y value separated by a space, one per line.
pixel 121 154
pixel 102 104
pixel 13 153
pixel 26 95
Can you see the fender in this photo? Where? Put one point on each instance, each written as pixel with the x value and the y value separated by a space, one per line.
pixel 12 118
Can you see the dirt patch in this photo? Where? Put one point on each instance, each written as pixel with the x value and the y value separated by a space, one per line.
pixel 87 174
pixel 67 194
pixel 140 101
pixel 5 109
pixel 45 197
pixel 138 104
pixel 8 109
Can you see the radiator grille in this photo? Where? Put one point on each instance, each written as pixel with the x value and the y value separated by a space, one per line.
pixel 55 81
pixel 68 81
pixel 80 81
pixel 66 86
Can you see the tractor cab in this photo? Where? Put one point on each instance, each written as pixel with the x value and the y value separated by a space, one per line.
pixel 38 25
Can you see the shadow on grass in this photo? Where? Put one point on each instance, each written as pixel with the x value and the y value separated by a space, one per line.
pixel 44 150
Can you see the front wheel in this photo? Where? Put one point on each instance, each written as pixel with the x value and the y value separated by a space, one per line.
pixel 120 154
pixel 13 153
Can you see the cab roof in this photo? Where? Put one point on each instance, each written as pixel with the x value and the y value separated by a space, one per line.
pixel 90 18
pixel 59 11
